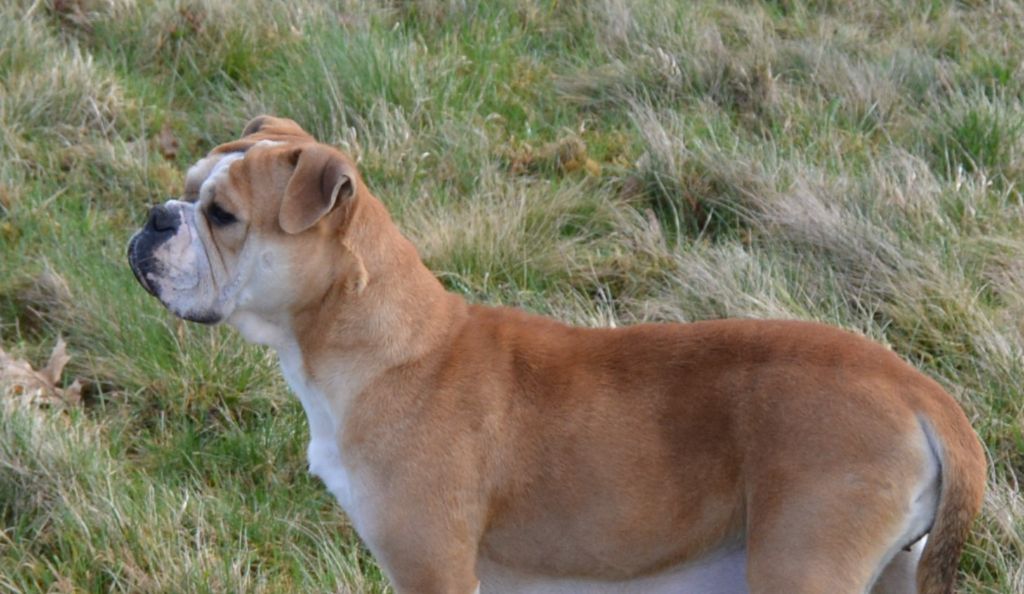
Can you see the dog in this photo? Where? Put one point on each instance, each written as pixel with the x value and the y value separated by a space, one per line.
pixel 484 449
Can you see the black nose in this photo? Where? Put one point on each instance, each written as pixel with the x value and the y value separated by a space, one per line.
pixel 161 219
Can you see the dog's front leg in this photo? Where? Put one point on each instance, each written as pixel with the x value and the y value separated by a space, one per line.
pixel 423 567
pixel 424 547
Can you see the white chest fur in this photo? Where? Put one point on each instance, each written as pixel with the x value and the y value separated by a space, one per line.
pixel 324 453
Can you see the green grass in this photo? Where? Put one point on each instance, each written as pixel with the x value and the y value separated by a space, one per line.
pixel 604 162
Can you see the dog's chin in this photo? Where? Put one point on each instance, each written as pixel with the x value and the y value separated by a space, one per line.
pixel 135 262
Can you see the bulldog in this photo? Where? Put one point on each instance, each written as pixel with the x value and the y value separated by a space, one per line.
pixel 486 449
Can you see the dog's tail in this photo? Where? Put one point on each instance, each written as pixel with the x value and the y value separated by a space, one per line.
pixel 962 475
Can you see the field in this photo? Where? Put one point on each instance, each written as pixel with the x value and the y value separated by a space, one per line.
pixel 605 162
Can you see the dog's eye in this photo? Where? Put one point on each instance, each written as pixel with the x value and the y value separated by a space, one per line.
pixel 218 216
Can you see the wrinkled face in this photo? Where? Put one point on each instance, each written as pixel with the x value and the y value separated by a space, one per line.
pixel 228 244
pixel 177 256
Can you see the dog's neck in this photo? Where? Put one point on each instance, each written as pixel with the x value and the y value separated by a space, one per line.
pixel 398 315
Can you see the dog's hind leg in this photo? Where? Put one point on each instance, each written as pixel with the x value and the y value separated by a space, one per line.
pixel 842 532
pixel 819 543
pixel 900 575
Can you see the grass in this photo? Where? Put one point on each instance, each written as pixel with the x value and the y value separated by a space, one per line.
pixel 604 162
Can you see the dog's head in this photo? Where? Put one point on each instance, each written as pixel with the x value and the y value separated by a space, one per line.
pixel 257 216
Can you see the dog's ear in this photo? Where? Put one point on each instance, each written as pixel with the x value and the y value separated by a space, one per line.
pixel 274 126
pixel 255 125
pixel 322 179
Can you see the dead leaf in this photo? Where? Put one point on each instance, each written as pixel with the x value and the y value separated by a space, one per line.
pixel 74 13
pixel 193 16
pixel 6 197
pixel 72 394
pixel 64 585
pixel 566 155
pixel 41 387
pixel 167 143
pixel 58 359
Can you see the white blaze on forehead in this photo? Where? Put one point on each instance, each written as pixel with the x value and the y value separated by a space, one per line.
pixel 219 170
pixel 210 168
pixel 198 173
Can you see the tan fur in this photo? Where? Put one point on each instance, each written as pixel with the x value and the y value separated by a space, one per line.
pixel 960 502
pixel 490 433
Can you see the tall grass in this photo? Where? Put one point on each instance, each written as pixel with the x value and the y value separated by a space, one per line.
pixel 605 162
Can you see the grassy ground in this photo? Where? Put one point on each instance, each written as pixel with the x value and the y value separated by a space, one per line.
pixel 603 161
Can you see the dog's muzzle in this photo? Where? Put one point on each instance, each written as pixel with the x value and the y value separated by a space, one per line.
pixel 160 226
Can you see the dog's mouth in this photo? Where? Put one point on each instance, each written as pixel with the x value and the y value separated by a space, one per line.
pixel 135 263
pixel 142 263
pixel 204 318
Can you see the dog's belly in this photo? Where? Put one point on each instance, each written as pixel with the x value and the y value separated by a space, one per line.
pixel 719 572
